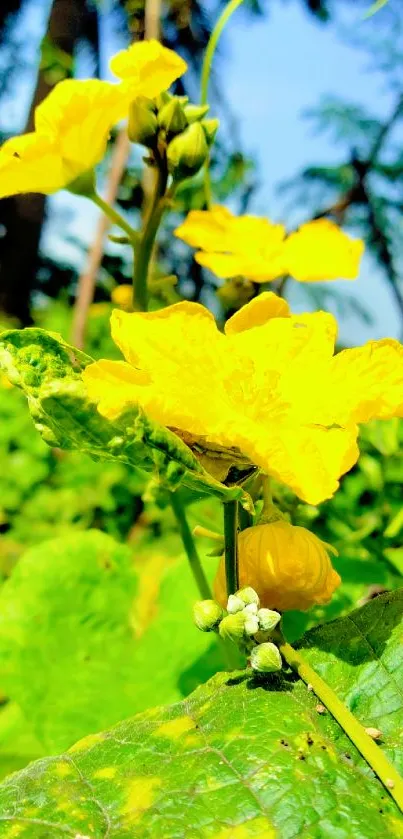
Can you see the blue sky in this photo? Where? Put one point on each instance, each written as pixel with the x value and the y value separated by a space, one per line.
pixel 272 69
pixel 277 67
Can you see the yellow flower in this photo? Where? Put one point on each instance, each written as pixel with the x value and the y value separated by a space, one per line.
pixel 148 67
pixel 73 123
pixel 72 126
pixel 288 567
pixel 122 296
pixel 257 249
pixel 270 389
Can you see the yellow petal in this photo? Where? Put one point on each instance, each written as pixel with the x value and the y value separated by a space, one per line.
pixel 149 67
pixel 367 382
pixel 257 312
pixel 309 459
pixel 207 229
pixel 319 250
pixel 179 351
pixel 232 245
pixel 30 163
pixel 113 385
pixel 77 116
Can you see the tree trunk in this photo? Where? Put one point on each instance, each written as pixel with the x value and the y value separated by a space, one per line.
pixel 22 216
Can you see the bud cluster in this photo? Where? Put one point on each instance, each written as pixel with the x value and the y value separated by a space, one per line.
pixel 171 126
pixel 244 624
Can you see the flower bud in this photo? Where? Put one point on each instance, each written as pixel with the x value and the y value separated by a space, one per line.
pixel 265 658
pixel 162 100
pixel 194 113
pixel 288 566
pixel 251 624
pixel 251 609
pixel 210 127
pixel 234 604
pixel 172 118
pixel 207 615
pixel 122 296
pixel 232 628
pixel 248 596
pixel 142 125
pixel 268 619
pixel 187 152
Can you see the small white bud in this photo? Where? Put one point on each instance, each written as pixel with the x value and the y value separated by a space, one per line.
pixel 251 609
pixel 248 595
pixel 268 619
pixel 265 658
pixel 235 604
pixel 251 624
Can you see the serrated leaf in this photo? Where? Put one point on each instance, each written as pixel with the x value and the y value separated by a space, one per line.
pixel 49 372
pixel 92 631
pixel 240 758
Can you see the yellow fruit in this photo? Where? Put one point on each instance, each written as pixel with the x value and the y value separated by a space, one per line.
pixel 288 566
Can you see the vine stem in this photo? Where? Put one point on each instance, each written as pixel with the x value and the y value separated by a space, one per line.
pixel 231 546
pixel 372 753
pixel 147 237
pixel 206 72
pixel 190 548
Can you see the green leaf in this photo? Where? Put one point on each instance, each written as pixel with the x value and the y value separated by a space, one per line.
pixel 49 372
pixel 241 757
pixel 361 658
pixel 91 632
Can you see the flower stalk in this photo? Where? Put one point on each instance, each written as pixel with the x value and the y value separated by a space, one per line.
pixel 190 548
pixel 231 546
pixel 372 753
pixel 147 236
pixel 115 218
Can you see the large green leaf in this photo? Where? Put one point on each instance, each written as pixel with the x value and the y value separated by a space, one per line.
pixel 49 372
pixel 239 758
pixel 92 632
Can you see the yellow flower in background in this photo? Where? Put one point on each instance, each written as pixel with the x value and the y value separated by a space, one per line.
pixel 148 67
pixel 270 387
pixel 288 567
pixel 122 296
pixel 73 123
pixel 319 250
pixel 259 250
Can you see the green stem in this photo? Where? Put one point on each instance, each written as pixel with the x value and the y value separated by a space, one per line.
pixel 190 548
pixel 212 46
pixel 145 246
pixel 205 76
pixel 115 217
pixel 267 494
pixel 374 756
pixel 231 546
pixel 245 518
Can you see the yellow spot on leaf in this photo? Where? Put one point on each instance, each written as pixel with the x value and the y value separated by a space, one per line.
pixel 14 830
pixel 87 742
pixel 175 728
pixel 106 772
pixel 141 796
pixel 62 769
pixel 258 827
pixel 233 734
